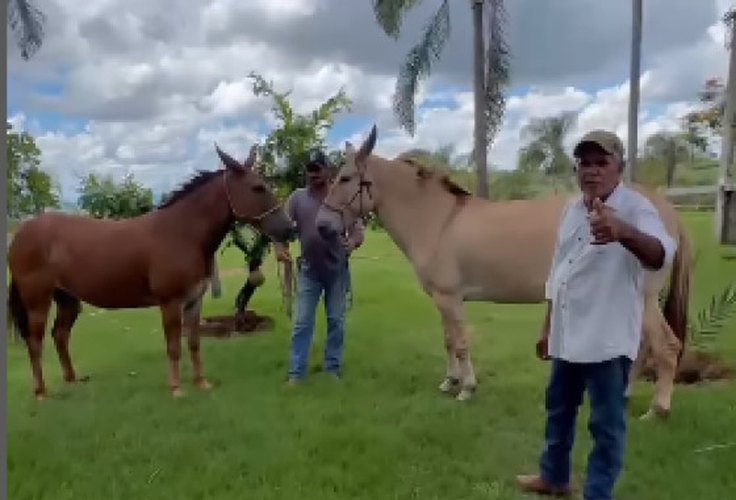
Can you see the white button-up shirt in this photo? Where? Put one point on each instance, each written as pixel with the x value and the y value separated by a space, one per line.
pixel 597 291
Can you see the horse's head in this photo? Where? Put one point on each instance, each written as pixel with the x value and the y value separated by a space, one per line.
pixel 351 195
pixel 250 199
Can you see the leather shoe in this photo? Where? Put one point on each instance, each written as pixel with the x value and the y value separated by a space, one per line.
pixel 535 484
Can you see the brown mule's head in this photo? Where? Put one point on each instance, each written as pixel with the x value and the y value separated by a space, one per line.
pixel 250 199
pixel 351 194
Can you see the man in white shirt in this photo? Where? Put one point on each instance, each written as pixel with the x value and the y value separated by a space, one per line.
pixel 607 238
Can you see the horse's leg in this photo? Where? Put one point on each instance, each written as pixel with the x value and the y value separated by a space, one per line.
pixel 192 313
pixel 453 317
pixel 171 315
pixel 665 347
pixel 68 308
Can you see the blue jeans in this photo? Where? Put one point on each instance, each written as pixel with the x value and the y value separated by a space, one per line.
pixel 606 384
pixel 309 292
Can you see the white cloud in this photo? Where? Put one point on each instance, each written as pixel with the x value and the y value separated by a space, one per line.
pixel 158 84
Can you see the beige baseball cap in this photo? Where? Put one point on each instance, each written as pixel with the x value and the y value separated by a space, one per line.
pixel 608 141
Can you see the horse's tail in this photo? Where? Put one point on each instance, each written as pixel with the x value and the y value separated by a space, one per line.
pixel 677 303
pixel 17 312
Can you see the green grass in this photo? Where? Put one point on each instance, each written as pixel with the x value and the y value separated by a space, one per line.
pixel 382 433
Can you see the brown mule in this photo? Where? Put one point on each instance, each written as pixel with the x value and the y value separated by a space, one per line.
pixel 163 258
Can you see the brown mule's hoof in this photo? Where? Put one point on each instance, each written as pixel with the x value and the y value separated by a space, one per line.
pixel 177 392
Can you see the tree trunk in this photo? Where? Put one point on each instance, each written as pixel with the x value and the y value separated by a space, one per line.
pixel 725 178
pixel 635 69
pixel 481 136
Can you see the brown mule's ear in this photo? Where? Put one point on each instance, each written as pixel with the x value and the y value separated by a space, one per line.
pixel 251 160
pixel 229 162
pixel 349 148
pixel 367 147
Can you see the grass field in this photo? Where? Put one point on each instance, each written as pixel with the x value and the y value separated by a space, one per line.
pixel 384 432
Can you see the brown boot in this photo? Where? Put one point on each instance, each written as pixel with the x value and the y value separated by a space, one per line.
pixel 535 484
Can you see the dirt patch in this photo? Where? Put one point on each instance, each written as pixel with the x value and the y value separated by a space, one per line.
pixel 695 367
pixel 224 327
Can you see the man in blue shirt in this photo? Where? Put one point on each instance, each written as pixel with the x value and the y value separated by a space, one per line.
pixel 322 267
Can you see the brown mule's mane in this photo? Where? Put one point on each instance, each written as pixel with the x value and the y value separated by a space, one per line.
pixel 412 158
pixel 201 178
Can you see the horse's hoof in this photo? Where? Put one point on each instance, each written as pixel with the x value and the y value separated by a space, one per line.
pixel 449 384
pixel 203 384
pixel 465 394
pixel 40 397
pixel 177 393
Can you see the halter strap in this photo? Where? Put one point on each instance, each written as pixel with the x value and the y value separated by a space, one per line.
pixel 256 218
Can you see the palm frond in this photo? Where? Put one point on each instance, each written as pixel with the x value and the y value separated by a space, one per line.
pixel 710 319
pixel 390 14
pixel 497 69
pixel 418 64
pixel 27 23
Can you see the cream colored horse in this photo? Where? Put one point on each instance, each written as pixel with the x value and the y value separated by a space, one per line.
pixel 464 248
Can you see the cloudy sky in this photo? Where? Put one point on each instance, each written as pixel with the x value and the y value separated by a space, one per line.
pixel 147 86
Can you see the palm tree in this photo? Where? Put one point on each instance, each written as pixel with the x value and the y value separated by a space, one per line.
pixel 669 147
pixel 27 23
pixel 544 150
pixel 491 68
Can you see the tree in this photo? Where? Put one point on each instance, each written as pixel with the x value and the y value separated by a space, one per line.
pixel 544 149
pixel 670 148
pixel 101 197
pixel 491 68
pixel 26 22
pixel 30 190
pixel 282 158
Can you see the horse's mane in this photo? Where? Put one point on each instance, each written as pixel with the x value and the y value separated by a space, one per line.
pixel 414 158
pixel 200 178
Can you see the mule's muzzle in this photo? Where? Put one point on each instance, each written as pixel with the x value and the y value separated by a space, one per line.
pixel 326 231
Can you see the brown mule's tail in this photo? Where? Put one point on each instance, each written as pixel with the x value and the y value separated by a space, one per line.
pixel 677 304
pixel 17 312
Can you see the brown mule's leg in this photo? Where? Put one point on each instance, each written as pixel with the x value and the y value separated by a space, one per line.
pixel 37 317
pixel 191 326
pixel 171 315
pixel 68 308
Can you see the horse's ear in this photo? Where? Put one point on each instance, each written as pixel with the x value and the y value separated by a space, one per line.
pixel 251 160
pixel 228 160
pixel 349 148
pixel 367 147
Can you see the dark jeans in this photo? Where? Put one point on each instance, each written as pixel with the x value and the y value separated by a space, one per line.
pixel 309 292
pixel 606 384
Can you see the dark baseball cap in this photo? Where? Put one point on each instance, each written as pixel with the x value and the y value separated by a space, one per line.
pixel 317 158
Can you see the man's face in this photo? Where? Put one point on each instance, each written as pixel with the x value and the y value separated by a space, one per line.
pixel 598 172
pixel 316 175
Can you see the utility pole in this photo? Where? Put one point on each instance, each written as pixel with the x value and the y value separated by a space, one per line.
pixel 726 198
pixel 634 71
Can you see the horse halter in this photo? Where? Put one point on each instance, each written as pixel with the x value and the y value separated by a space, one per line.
pixel 251 219
pixel 364 185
